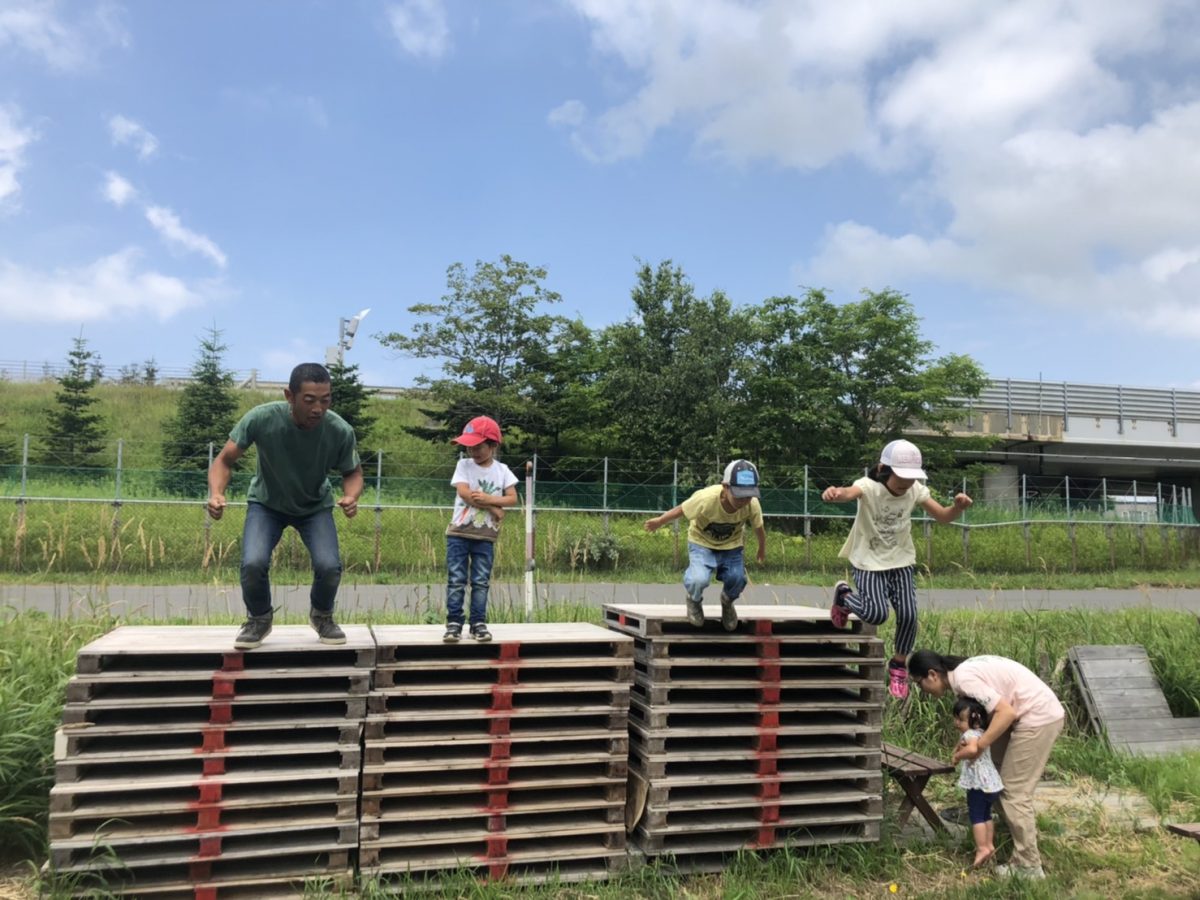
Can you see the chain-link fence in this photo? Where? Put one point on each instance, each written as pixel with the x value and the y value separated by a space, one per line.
pixel 590 515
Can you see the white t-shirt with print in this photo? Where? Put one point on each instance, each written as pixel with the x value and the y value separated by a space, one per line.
pixel 881 537
pixel 479 524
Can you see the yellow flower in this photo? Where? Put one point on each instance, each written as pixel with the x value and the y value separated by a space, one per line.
pixel 894 888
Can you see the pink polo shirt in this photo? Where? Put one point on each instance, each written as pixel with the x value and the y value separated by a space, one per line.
pixel 990 679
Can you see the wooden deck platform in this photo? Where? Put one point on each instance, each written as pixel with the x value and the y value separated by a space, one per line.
pixel 1125 702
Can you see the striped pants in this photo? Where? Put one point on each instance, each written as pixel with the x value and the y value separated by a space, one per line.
pixel 876 590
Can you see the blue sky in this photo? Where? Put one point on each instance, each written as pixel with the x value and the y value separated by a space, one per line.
pixel 1027 172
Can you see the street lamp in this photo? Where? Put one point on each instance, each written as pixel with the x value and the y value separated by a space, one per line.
pixel 347 328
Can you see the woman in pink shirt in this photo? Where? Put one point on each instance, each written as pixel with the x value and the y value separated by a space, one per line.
pixel 1026 721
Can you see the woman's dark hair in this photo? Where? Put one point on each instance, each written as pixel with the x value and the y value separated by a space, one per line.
pixel 923 662
pixel 880 473
pixel 977 716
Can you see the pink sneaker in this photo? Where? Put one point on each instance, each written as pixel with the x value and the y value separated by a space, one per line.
pixel 838 614
pixel 898 680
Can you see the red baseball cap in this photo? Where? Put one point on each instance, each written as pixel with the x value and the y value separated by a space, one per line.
pixel 478 430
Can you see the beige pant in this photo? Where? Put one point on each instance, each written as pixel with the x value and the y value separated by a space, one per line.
pixel 1021 757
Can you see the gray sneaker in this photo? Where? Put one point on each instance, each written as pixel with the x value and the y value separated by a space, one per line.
pixel 253 632
pixel 453 633
pixel 729 616
pixel 1030 873
pixel 695 613
pixel 327 629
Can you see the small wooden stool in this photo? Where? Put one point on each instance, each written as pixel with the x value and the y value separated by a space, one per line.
pixel 912 772
pixel 1191 829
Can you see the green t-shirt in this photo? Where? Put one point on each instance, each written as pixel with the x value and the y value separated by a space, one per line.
pixel 293 462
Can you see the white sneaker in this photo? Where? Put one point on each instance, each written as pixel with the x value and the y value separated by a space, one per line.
pixel 1032 873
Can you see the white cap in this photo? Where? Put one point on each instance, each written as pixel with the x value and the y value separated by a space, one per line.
pixel 903 458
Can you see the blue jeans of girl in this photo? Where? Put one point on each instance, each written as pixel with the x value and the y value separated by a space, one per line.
pixel 468 562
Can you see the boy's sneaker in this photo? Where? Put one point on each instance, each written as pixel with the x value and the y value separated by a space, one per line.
pixel 729 616
pixel 695 613
pixel 897 679
pixel 253 632
pixel 838 613
pixel 327 629
pixel 453 633
pixel 480 632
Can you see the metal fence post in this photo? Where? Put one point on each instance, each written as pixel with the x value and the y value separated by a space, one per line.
pixel 1104 495
pixel 1067 494
pixel 1158 501
pixel 807 523
pixel 378 509
pixel 674 503
pixel 19 538
pixel 116 519
pixel 207 518
pixel 530 557
pixel 1024 497
pixel 604 496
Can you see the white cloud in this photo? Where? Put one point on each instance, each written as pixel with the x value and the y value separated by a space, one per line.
pixel 67 42
pixel 111 287
pixel 117 190
pixel 14 138
pixel 420 27
pixel 126 131
pixel 284 359
pixel 571 113
pixel 277 101
pixel 167 224
pixel 1035 143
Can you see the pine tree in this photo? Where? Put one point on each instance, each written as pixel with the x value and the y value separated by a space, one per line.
pixel 206 414
pixel 350 400
pixel 75 434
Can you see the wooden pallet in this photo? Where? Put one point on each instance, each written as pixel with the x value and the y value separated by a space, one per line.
pixel 432 756
pixel 152 819
pixel 87 742
pixel 663 744
pixel 150 648
pixel 829 693
pixel 278 875
pixel 666 771
pixel 761 837
pixel 135 850
pixel 814 804
pixel 435 804
pixel 200 765
pixel 497 852
pixel 1125 703
pixel 821 647
pixel 500 772
pixel 397 728
pixel 532 642
pixel 655 620
pixel 199 713
pixel 815 718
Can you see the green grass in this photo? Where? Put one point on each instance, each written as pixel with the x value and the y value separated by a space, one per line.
pixel 1086 856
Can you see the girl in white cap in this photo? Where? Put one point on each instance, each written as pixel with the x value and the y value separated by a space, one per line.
pixel 881 552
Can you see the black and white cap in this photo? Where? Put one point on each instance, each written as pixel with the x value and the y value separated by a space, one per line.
pixel 742 478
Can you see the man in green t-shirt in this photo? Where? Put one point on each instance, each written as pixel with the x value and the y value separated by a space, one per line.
pixel 717 517
pixel 299 440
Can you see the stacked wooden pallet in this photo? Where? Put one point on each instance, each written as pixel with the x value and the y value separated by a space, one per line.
pixel 185 768
pixel 506 759
pixel 764 737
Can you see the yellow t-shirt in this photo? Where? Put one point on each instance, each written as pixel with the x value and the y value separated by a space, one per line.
pixel 881 537
pixel 711 525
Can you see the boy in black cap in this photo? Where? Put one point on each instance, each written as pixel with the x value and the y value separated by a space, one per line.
pixel 717 518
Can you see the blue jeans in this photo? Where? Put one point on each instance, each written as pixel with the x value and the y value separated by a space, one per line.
pixel 979 805
pixel 729 565
pixel 463 556
pixel 264 527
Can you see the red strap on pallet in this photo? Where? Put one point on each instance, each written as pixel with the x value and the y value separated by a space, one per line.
pixel 208 818
pixel 767 765
pixel 501 749
pixel 223 685
pixel 766 837
pixel 210 846
pixel 497 847
pixel 769 648
pixel 496 823
pixel 510 650
pixel 497 800
pixel 769 695
pixel 772 673
pixel 501 697
pixel 214 739
pixel 768 790
pixel 766 742
pixel 762 627
pixel 621 619
pixel 768 718
pixel 234 662
pixel 496 871
pixel 206 893
pixel 214 765
pixel 497 774
pixel 200 871
pixel 220 713
pixel 768 813
pixel 502 725
pixel 508 675
pixel 210 791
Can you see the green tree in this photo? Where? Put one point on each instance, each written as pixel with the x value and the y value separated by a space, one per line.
pixel 350 400
pixel 205 415
pixel 830 384
pixel 490 333
pixel 75 434
pixel 670 380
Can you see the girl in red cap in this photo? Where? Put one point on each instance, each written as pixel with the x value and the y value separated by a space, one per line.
pixel 485 487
